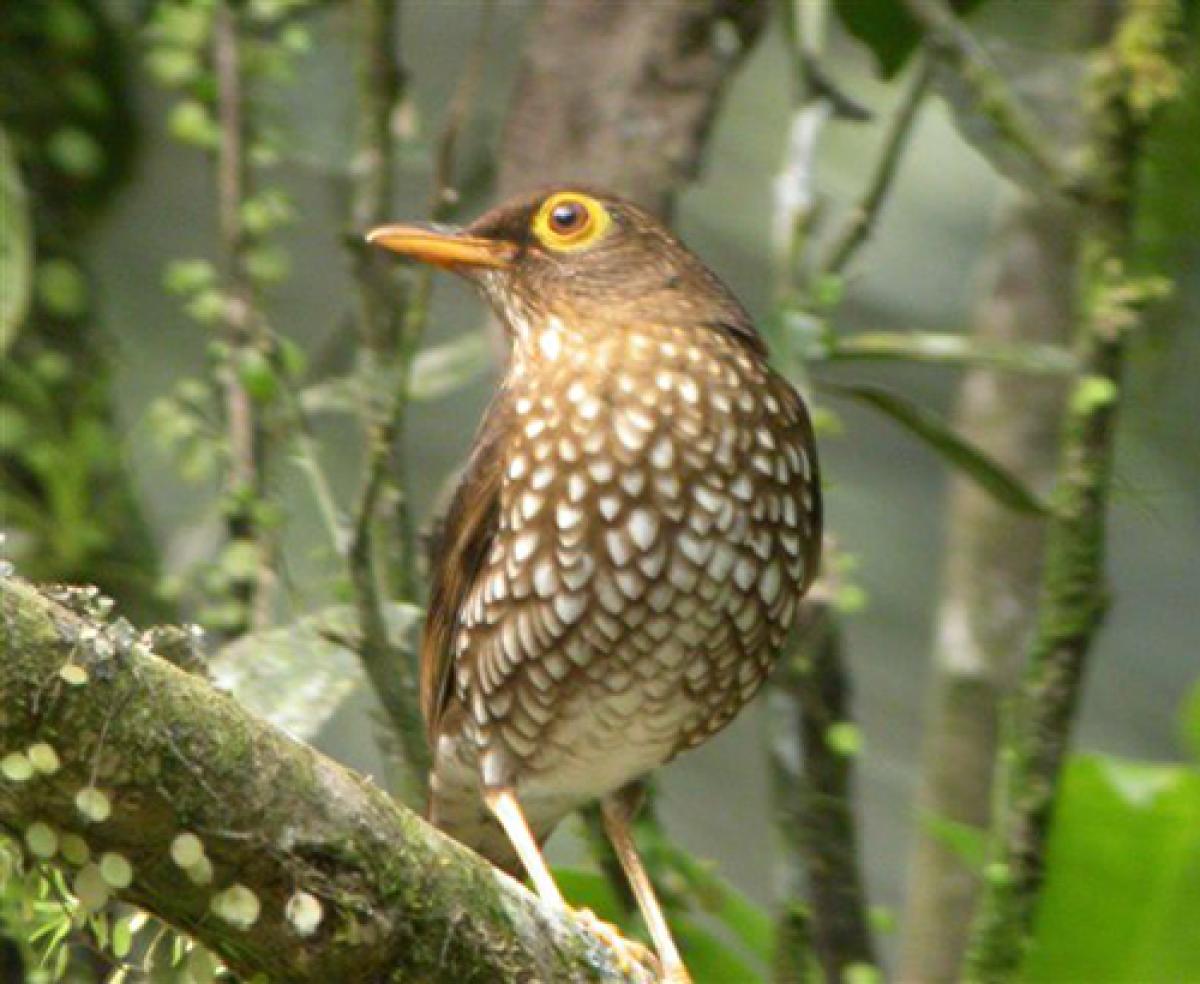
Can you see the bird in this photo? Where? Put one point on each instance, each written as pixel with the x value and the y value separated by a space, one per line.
pixel 626 550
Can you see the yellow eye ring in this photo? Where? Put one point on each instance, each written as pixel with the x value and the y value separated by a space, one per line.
pixel 569 220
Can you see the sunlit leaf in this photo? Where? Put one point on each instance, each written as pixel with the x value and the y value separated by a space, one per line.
pixel 16 247
pixel 298 675
pixel 1123 882
pixel 987 473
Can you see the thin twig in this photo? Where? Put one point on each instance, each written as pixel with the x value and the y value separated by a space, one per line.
pixel 381 552
pixel 244 479
pixel 864 216
pixel 950 40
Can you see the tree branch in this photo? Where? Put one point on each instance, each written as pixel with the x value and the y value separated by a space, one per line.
pixel 864 216
pixel 1134 75
pixel 244 481
pixel 950 40
pixel 398 900
pixel 812 787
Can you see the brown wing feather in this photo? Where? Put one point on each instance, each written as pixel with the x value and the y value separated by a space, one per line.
pixel 467 534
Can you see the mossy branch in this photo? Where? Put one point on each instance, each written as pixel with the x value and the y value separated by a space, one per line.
pixel 1133 74
pixel 169 754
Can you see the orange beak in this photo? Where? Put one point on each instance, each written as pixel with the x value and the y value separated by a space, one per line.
pixel 443 248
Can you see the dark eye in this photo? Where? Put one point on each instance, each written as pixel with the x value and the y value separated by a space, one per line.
pixel 568 217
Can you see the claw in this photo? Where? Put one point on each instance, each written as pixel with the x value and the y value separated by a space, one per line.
pixel 629 952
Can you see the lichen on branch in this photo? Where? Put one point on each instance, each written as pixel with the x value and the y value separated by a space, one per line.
pixel 314 874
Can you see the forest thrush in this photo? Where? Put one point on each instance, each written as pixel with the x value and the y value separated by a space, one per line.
pixel 624 555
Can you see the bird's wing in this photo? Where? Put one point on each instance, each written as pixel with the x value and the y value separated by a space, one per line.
pixel 466 537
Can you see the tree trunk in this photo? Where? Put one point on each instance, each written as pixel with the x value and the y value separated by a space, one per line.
pixel 631 109
pixel 991 573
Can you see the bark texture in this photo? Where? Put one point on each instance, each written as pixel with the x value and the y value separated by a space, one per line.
pixel 631 108
pixel 991 572
pixel 400 901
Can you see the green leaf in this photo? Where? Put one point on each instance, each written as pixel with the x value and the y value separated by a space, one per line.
pixel 887 28
pixel 1189 722
pixel 710 960
pixel 445 368
pixel 1123 882
pixel 987 473
pixel 298 675
pixel 16 247
pixel 967 843
pixel 946 348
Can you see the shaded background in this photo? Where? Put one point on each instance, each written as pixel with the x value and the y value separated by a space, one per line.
pixel 885 494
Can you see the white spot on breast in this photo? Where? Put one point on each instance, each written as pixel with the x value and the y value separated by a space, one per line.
pixel 550 342
pixel 567 449
pixel 544 579
pixel 567 516
pixel 609 505
pixel 696 549
pixel 667 485
pixel 578 574
pixel 589 409
pixel 525 545
pixel 768 587
pixel 576 487
pixel 569 607
pixel 663 454
pixel 630 583
pixel 744 573
pixel 709 500
pixel 741 487
pixel 517 467
pixel 633 481
pixel 643 528
pixel 601 469
pixel 524 405
pixel 628 433
pixel 577 392
pixel 689 390
pixel 542 476
pixel 618 547
pixel 534 427
pixel 651 564
pixel 531 503
pixel 664 381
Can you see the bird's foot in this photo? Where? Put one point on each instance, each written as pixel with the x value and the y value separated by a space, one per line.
pixel 629 952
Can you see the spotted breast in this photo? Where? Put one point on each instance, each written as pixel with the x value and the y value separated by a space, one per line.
pixel 656 519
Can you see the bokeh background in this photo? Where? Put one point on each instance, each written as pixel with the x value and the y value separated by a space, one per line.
pixel 886 493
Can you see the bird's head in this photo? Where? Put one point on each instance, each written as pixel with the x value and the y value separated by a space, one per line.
pixel 591 260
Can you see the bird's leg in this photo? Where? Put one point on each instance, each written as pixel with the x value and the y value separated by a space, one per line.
pixel 507 810
pixel 618 810
pixel 504 806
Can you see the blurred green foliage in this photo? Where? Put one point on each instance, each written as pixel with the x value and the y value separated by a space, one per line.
pixel 1122 893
